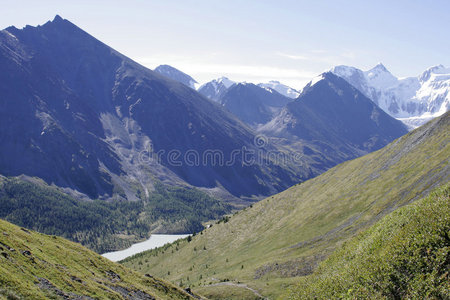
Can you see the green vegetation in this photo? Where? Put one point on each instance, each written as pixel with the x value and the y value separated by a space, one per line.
pixel 227 292
pixel 37 266
pixel 287 235
pixel 406 255
pixel 104 226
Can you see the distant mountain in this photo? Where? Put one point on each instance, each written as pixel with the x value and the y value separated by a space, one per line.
pixel 215 88
pixel 414 100
pixel 82 116
pixel 333 113
pixel 281 88
pixel 276 242
pixel 252 104
pixel 177 75
pixel 38 266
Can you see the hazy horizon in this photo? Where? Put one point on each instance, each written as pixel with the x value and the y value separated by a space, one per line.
pixel 258 41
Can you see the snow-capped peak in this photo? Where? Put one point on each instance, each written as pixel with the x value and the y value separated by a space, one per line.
pixel 225 81
pixel 344 71
pixel 379 67
pixel 414 100
pixel 439 69
pixel 280 88
pixel 215 88
pixel 380 77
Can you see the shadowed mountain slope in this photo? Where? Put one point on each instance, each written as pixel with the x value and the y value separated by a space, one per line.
pixel 80 115
pixel 252 104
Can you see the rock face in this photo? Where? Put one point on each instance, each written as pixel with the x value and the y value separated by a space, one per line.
pixel 337 118
pixel 177 75
pixel 80 115
pixel 413 100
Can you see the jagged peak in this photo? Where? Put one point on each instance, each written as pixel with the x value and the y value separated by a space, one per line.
pixel 380 67
pixel 58 18
pixel 380 77
pixel 224 80
pixel 437 69
pixel 57 22
pixel 66 29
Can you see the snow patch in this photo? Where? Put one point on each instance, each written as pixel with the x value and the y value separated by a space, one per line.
pixel 317 79
pixel 280 88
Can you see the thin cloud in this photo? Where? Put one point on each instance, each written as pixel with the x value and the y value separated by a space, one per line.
pixel 322 56
pixel 294 57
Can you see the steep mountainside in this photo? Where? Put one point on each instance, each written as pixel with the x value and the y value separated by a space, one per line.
pixel 403 256
pixel 280 88
pixel 78 114
pixel 336 119
pixel 252 104
pixel 37 266
pixel 215 88
pixel 270 244
pixel 414 100
pixel 177 75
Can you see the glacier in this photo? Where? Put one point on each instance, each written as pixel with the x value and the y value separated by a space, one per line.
pixel 413 100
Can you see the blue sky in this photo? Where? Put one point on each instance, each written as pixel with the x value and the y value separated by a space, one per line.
pixel 256 41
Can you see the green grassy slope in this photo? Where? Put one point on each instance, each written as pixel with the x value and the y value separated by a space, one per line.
pixel 285 236
pixel 38 266
pixel 406 255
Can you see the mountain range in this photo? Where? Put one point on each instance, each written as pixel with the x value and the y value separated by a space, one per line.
pixel 103 151
pixel 104 126
pixel 330 110
pixel 413 100
pixel 329 122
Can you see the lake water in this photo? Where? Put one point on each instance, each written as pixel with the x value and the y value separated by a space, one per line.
pixel 155 241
